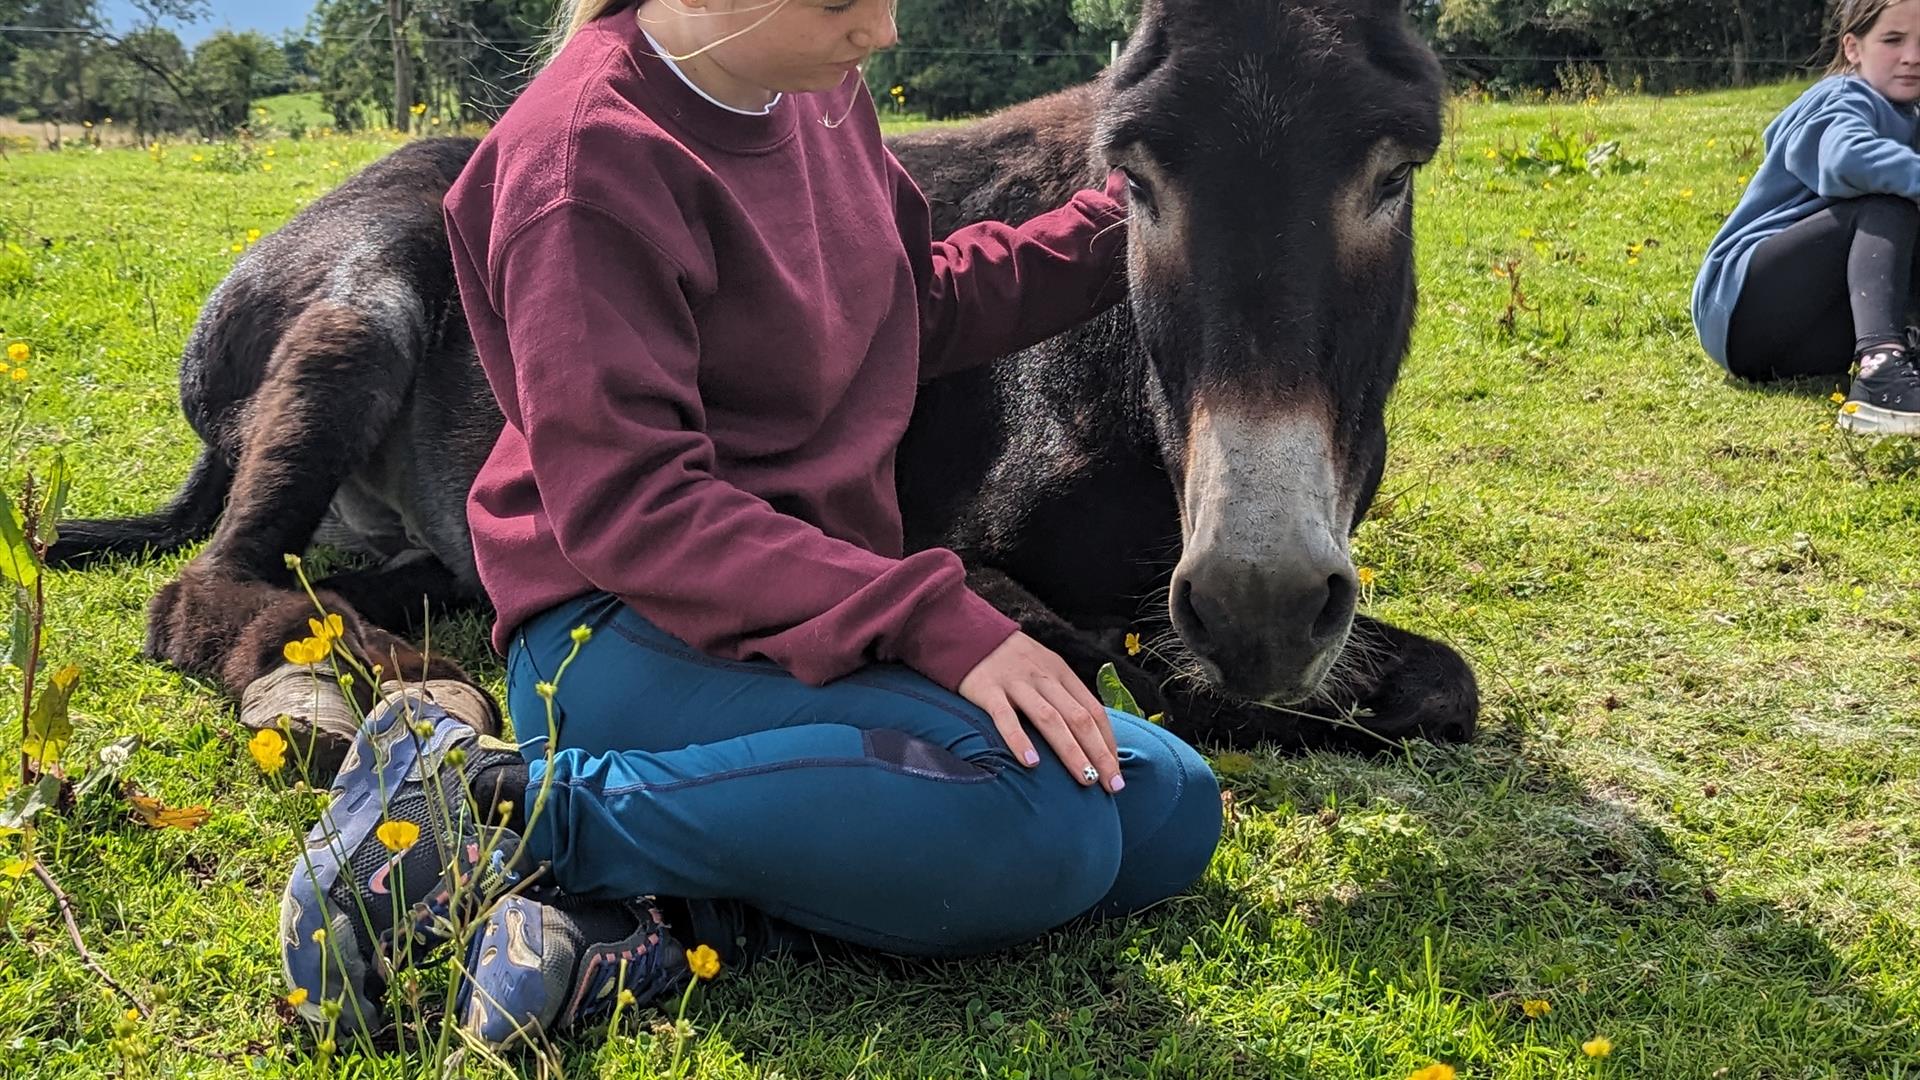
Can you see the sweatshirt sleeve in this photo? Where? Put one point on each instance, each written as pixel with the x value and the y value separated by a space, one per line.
pixel 991 289
pixel 606 385
pixel 1838 152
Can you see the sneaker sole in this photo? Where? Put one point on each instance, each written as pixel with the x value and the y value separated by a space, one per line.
pixel 1867 419
pixel 383 755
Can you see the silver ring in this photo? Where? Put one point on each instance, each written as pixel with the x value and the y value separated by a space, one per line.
pixel 1090 774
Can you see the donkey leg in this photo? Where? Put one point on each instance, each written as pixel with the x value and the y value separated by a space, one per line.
pixel 334 386
pixel 316 709
pixel 402 593
pixel 1398 684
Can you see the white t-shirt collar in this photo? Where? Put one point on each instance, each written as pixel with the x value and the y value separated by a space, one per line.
pixel 668 60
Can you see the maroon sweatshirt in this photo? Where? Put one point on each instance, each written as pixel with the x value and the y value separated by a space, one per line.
pixel 706 329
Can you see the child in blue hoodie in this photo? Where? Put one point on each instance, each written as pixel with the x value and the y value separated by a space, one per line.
pixel 1813 274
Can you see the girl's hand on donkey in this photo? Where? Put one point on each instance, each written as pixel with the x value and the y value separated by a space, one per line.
pixel 1025 678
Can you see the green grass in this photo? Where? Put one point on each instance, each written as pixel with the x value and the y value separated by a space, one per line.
pixel 293 112
pixel 1690 824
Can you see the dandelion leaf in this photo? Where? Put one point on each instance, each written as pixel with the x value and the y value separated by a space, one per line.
pixel 59 483
pixel 50 729
pixel 17 563
pixel 1114 693
pixel 20 631
pixel 18 808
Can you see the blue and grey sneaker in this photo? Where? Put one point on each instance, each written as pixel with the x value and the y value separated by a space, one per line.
pixel 538 968
pixel 394 858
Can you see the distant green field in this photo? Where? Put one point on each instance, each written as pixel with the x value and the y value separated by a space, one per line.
pixel 1691 825
pixel 288 112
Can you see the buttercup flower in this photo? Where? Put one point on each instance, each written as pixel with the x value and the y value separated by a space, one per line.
pixel 298 997
pixel 1133 644
pixel 19 352
pixel 307 651
pixel 269 750
pixel 1597 1047
pixel 704 962
pixel 1436 1071
pixel 1365 576
pixel 329 631
pixel 1535 1008
pixel 398 836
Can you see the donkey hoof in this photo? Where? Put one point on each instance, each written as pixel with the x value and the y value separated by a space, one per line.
pixel 462 700
pixel 305 704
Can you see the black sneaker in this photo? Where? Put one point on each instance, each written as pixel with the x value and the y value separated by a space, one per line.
pixel 1885 397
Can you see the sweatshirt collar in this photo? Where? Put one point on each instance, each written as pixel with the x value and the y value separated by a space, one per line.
pixel 691 112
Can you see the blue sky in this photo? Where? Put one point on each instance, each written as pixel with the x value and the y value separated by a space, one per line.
pixel 270 17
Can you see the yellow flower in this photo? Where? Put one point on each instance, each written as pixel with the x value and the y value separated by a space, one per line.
pixel 319 935
pixel 253 236
pixel 269 750
pixel 419 108
pixel 1837 398
pixel 1743 178
pixel 704 962
pixel 19 374
pixel 269 151
pixel 19 352
pixel 298 997
pixel 582 634
pixel 1850 408
pixel 307 651
pixel 198 158
pixel 237 248
pixel 1435 1071
pixel 1687 194
pixel 626 998
pixel 1133 644
pixel 1597 1047
pixel 330 631
pixel 1535 1008
pixel 1366 577
pixel 398 835
pixel 266 166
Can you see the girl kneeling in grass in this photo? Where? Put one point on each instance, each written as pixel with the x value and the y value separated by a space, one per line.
pixel 1813 274
pixel 704 292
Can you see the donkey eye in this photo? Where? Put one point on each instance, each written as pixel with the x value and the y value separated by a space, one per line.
pixel 1142 194
pixel 1395 184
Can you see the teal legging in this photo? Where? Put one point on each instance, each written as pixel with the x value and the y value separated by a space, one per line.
pixel 880 810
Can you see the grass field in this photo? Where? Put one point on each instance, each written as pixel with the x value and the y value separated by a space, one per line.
pixel 1691 825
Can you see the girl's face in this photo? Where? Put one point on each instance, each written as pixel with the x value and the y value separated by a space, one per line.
pixel 790 45
pixel 1888 54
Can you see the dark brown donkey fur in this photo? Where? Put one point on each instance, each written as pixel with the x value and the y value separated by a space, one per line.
pixel 1211 443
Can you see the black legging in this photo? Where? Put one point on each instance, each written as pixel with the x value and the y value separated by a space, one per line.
pixel 1825 288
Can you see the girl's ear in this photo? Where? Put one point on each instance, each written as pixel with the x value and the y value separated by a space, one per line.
pixel 1850 45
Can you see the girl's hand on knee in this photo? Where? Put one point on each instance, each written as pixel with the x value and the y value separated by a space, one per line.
pixel 1025 678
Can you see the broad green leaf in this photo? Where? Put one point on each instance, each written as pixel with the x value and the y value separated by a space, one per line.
pixel 59 481
pixel 17 563
pixel 18 808
pixel 1114 693
pixel 49 730
pixel 113 758
pixel 20 632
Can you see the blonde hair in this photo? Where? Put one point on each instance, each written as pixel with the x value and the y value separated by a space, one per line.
pixel 1855 18
pixel 582 12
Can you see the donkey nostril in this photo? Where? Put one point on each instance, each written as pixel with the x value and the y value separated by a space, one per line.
pixel 1187 618
pixel 1338 611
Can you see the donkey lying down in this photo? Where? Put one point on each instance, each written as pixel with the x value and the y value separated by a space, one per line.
pixel 1186 469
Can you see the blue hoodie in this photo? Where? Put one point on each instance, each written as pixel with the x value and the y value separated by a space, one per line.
pixel 1839 140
